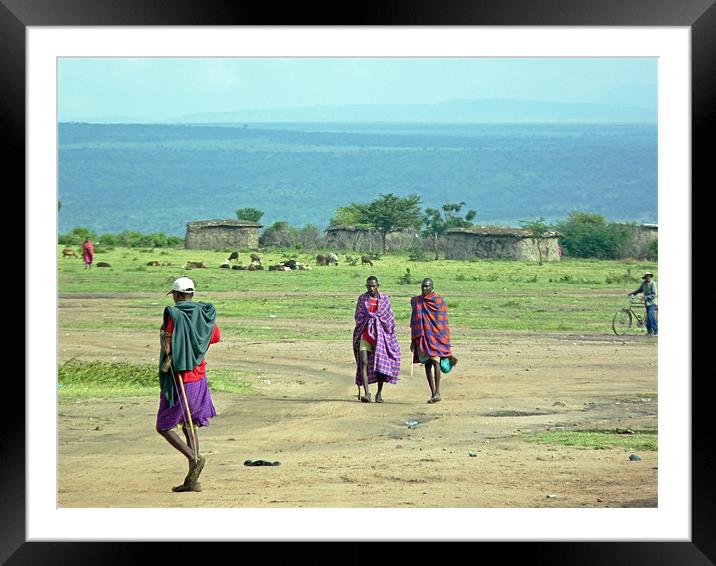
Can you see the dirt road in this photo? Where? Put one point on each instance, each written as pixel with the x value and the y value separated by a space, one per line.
pixel 470 450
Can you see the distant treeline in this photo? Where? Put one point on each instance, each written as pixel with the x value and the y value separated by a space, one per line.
pixel 126 239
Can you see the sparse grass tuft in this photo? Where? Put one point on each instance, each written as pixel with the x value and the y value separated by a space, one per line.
pixel 598 439
pixel 78 379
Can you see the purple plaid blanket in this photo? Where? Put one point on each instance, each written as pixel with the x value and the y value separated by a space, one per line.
pixel 200 404
pixel 381 326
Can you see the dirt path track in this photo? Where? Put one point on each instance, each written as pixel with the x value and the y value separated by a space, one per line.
pixel 337 452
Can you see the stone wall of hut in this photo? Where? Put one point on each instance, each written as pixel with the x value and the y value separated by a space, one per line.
pixel 221 237
pixel 363 240
pixel 643 237
pixel 464 245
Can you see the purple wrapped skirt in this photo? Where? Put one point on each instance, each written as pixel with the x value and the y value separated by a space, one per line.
pixel 200 405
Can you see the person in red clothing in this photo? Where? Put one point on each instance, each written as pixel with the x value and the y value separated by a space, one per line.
pixel 88 253
pixel 367 342
pixel 182 357
pixel 375 346
pixel 430 335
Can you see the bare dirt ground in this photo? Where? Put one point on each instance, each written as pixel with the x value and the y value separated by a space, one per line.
pixel 338 452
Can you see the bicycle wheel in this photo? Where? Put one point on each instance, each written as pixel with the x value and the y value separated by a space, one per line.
pixel 621 322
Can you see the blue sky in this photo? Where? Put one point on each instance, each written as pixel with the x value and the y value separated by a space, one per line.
pixel 166 88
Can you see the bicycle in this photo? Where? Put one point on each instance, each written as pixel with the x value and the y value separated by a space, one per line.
pixel 622 321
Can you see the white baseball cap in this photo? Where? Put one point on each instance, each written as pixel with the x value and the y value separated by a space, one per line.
pixel 182 285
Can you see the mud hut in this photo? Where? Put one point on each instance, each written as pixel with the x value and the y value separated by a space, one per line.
pixel 358 239
pixel 222 234
pixel 494 242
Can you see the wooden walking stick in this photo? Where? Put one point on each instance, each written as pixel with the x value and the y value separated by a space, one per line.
pixel 169 362
pixel 188 414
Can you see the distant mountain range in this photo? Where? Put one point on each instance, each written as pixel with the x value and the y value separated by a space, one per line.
pixel 453 111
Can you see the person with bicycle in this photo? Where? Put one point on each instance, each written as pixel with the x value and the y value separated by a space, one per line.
pixel 648 288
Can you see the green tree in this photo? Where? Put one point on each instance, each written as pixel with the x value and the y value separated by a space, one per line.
pixel 586 234
pixel 76 236
pixel 349 215
pixel 387 213
pixel 537 228
pixel 249 214
pixel 436 223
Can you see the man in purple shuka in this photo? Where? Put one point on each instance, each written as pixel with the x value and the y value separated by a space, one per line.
pixel 375 345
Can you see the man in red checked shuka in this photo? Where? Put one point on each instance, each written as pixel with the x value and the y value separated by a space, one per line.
pixel 430 335
pixel 189 328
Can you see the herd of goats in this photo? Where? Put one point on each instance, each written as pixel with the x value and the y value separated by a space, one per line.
pixel 254 265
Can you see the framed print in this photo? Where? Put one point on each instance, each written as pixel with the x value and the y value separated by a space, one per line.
pixel 36 38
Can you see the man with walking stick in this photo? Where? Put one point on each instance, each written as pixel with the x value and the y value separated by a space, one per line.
pixel 187 330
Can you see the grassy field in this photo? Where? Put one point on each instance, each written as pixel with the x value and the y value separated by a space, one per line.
pixel 571 295
pixel 482 296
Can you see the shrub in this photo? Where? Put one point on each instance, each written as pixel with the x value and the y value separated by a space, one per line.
pixel 406 278
pixel 416 251
pixel 589 235
pixel 126 238
pixel 76 236
pixel 625 277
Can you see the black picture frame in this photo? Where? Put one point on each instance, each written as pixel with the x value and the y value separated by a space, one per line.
pixel 699 16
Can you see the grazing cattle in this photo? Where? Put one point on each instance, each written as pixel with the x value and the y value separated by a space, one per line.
pixel 279 267
pixel 291 264
pixel 69 252
pixel 234 256
pixel 255 258
pixel 153 263
pixel 321 259
pixel 194 264
pixel 103 264
pixel 366 259
pixel 332 259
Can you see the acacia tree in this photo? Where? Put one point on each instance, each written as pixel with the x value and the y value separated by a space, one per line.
pixel 387 213
pixel 437 223
pixel 537 228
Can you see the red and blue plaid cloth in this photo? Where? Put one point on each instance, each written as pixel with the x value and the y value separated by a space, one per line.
pixel 429 327
pixel 385 359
